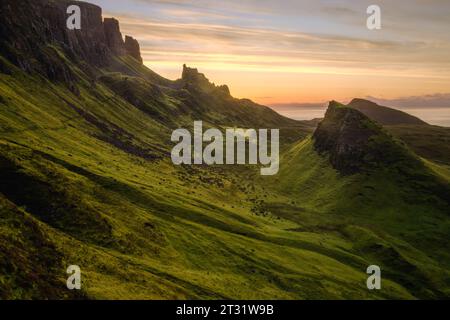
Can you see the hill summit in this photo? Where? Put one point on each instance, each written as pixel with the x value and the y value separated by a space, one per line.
pixel 383 115
pixel 354 142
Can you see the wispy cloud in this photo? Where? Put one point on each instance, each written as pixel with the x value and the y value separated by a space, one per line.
pixel 438 100
pixel 316 49
pixel 278 49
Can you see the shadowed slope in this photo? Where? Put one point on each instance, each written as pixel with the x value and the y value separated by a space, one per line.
pixel 383 115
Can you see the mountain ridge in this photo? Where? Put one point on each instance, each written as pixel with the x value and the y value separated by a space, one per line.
pixel 384 115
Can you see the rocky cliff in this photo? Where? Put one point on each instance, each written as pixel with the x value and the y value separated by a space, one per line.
pixel 191 75
pixel 133 49
pixel 37 29
pixel 113 36
pixel 192 79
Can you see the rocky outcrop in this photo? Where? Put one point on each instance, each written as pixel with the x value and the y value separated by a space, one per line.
pixel 225 89
pixel 132 48
pixel 193 76
pixel 354 143
pixel 28 29
pixel 113 36
pixel 193 80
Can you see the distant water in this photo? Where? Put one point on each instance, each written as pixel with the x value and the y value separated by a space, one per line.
pixel 436 116
pixel 431 115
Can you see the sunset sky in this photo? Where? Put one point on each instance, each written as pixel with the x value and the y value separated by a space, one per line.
pixel 283 51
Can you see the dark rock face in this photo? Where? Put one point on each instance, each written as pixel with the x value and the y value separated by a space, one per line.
pixel 224 88
pixel 192 75
pixel 113 36
pixel 133 49
pixel 355 143
pixel 29 27
pixel 194 81
pixel 89 43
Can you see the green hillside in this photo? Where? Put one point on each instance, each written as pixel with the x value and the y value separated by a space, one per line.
pixel 87 179
pixel 428 141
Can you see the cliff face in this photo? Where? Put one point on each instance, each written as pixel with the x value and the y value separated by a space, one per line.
pixel 133 49
pixel 113 36
pixel 31 26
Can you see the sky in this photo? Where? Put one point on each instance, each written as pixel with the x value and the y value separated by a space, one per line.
pixel 296 51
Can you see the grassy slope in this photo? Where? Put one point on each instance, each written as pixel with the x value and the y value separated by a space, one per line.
pixel 375 213
pixel 430 142
pixel 140 228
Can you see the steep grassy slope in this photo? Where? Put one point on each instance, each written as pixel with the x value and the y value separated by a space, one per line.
pixel 87 180
pixel 430 142
pixel 393 208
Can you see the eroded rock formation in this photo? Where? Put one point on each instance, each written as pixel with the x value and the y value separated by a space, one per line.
pixel 31 26
pixel 132 48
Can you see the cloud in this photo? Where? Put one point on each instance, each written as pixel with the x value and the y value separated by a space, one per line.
pixel 298 105
pixel 438 100
pixel 316 50
pixel 285 50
